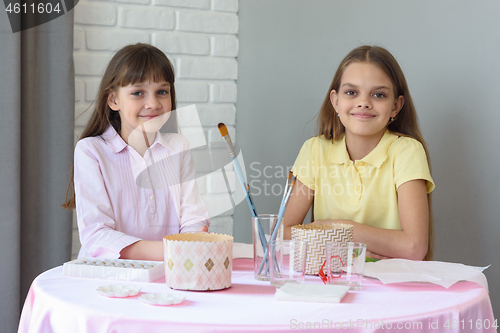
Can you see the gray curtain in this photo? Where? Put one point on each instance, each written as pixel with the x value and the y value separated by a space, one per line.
pixel 36 153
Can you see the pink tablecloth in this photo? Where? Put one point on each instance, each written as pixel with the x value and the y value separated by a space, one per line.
pixel 63 304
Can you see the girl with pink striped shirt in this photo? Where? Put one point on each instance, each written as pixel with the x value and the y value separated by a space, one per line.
pixel 131 184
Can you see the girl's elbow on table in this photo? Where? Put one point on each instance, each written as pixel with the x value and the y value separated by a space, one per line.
pixel 415 250
pixel 410 247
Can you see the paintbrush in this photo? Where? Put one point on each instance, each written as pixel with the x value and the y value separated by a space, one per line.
pixel 288 180
pixel 237 168
pixel 282 209
pixel 287 184
pixel 281 213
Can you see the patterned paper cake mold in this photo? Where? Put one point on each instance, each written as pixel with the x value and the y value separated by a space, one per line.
pixel 198 261
pixel 317 235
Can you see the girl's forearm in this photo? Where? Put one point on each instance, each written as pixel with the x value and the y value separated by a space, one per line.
pixel 387 242
pixel 147 250
pixel 411 241
pixel 143 250
pixel 391 243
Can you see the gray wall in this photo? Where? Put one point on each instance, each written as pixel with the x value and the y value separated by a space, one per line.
pixel 450 53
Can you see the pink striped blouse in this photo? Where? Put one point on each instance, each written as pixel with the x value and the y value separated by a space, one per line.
pixel 122 197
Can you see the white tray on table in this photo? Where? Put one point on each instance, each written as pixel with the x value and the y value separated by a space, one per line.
pixel 115 269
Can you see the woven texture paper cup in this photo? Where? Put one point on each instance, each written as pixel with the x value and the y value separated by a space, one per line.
pixel 316 236
pixel 198 261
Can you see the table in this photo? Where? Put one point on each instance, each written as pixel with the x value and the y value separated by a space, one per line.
pixel 65 304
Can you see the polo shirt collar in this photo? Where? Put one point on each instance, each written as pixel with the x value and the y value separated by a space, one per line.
pixel 339 154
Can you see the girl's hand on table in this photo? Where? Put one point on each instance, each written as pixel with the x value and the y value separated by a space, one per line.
pixel 147 250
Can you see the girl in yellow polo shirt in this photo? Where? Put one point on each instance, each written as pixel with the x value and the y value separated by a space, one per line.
pixel 368 166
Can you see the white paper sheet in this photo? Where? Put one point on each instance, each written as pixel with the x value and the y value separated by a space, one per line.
pixel 311 293
pixel 442 273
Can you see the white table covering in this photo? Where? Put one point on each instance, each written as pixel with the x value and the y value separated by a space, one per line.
pixel 63 304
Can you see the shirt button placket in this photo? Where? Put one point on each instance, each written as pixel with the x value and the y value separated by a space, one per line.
pixel 152 202
pixel 357 185
pixel 352 175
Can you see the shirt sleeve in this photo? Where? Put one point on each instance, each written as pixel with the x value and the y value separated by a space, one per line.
pixel 94 211
pixel 303 166
pixel 193 211
pixel 410 163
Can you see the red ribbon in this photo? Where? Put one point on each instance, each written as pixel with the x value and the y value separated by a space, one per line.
pixel 322 275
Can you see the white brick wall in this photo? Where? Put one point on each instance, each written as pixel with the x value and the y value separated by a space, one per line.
pixel 146 18
pixel 95 14
pixel 207 22
pixel 201 4
pixel 225 46
pixel 182 43
pixel 199 37
pixel 225 5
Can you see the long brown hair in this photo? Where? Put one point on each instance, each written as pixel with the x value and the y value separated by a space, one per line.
pixel 405 123
pixel 130 65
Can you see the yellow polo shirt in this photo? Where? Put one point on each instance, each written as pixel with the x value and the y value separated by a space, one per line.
pixel 365 190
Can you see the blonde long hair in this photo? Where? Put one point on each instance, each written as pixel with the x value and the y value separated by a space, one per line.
pixel 130 65
pixel 405 123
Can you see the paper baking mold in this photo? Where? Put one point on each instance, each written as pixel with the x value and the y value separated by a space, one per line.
pixel 198 261
pixel 316 236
